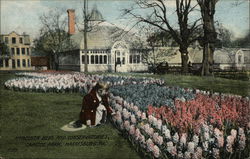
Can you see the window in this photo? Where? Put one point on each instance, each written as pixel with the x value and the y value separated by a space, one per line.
pixel 92 59
pixel 6 63
pixel 24 63
pixel 96 59
pixel 13 51
pixel 20 40
pixel 130 58
pixel 13 63
pixel 23 51
pixel 118 60
pixel 123 60
pixel 100 60
pixel 134 58
pixel 239 59
pixel 138 60
pixel 13 40
pixel 28 62
pixel 18 62
pixel 83 59
pixel 118 53
pixel 18 51
pixel 6 39
pixel 105 59
pixel 28 51
pixel 1 63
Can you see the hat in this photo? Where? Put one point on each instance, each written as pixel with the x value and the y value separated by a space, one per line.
pixel 101 85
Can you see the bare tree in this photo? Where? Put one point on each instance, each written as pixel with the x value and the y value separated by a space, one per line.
pixel 184 35
pixel 207 9
pixel 225 36
pixel 209 39
pixel 243 42
pixel 53 37
pixel 150 56
pixel 238 2
pixel 154 41
pixel 4 49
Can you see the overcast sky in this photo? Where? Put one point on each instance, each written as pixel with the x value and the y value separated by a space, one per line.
pixel 23 15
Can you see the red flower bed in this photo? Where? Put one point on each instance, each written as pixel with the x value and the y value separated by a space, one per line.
pixel 215 110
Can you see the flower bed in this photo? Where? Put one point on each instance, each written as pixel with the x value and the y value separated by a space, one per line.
pixel 68 82
pixel 156 138
pixel 127 80
pixel 160 121
pixel 45 82
pixel 152 94
pixel 222 112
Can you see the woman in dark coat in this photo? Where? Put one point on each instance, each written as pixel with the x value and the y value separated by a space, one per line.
pixel 95 106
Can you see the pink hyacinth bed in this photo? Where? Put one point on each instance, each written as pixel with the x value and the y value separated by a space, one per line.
pixel 208 126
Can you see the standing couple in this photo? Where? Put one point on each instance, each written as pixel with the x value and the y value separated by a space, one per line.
pixel 95 107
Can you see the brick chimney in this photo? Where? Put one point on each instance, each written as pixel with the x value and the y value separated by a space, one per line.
pixel 71 21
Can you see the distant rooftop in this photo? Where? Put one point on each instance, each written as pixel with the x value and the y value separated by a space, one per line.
pixel 96 14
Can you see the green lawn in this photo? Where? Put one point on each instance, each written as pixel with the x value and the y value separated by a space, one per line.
pixel 27 114
pixel 213 84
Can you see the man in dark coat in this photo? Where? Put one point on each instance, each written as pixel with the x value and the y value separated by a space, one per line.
pixel 95 106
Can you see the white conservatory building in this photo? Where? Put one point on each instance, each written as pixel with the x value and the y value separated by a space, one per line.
pixel 109 48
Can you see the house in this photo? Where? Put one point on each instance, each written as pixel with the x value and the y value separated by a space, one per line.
pixel 231 58
pixel 109 48
pixel 19 57
pixel 244 57
pixel 224 58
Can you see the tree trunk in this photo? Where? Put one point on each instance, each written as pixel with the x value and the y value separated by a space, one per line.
pixel 85 38
pixel 57 66
pixel 184 60
pixel 210 35
pixel 56 62
pixel 53 62
pixel 115 61
pixel 154 61
pixel 207 62
pixel 50 61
